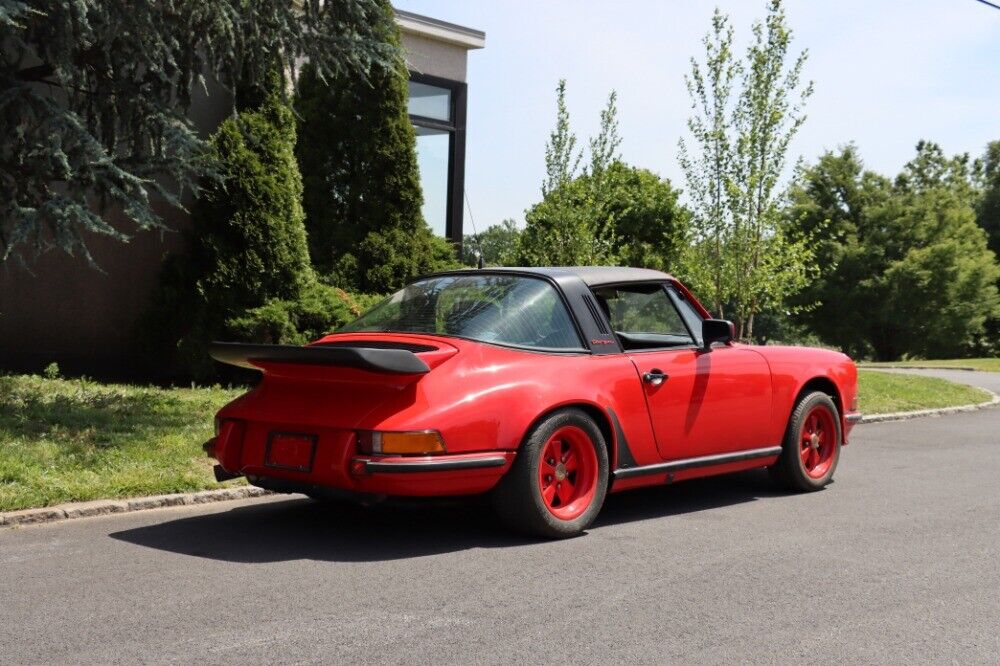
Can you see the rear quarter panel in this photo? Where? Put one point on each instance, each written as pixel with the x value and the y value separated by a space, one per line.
pixel 488 397
pixel 483 398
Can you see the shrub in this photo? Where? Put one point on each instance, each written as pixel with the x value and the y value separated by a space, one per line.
pixel 319 310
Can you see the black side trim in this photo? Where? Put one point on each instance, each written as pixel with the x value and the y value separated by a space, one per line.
pixel 700 461
pixel 376 466
pixel 390 361
pixel 625 457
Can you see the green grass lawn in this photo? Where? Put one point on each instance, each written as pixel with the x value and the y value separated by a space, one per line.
pixel 983 364
pixel 64 440
pixel 884 392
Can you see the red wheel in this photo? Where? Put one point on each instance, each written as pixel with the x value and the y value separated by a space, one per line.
pixel 567 473
pixel 817 441
pixel 557 484
pixel 812 444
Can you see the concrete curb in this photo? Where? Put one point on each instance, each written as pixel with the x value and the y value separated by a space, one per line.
pixel 105 507
pixel 941 411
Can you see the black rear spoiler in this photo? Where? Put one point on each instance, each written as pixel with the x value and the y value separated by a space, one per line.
pixel 389 361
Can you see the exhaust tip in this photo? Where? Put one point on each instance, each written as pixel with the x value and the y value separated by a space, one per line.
pixel 222 475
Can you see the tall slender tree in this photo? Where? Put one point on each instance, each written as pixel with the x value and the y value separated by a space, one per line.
pixel 605 146
pixel 562 160
pixel 744 255
pixel 708 167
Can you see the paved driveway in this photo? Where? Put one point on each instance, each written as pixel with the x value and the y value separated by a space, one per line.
pixel 895 562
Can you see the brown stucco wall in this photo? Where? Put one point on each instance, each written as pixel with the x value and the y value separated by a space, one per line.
pixel 65 311
pixel 58 308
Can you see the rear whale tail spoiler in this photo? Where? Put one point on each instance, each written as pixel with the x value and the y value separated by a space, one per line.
pixel 253 356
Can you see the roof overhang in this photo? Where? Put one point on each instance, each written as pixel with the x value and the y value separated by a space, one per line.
pixel 442 31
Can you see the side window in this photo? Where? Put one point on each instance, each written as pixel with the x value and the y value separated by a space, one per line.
pixel 643 316
pixel 691 316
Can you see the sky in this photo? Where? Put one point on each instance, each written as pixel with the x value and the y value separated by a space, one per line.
pixel 886 75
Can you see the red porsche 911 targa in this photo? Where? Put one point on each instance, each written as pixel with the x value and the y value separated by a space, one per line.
pixel 547 388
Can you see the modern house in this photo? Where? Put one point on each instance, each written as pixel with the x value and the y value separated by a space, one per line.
pixel 436 57
pixel 62 310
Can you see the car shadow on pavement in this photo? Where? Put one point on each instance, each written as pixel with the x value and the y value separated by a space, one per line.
pixel 298 528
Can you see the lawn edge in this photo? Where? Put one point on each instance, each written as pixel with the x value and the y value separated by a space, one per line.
pixel 104 507
pixel 964 368
pixel 937 411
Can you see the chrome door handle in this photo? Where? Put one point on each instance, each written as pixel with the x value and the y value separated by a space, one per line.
pixel 655 377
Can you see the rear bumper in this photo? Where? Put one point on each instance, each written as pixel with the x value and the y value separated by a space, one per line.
pixel 425 465
pixel 339 468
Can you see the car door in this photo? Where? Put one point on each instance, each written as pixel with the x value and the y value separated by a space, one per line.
pixel 700 402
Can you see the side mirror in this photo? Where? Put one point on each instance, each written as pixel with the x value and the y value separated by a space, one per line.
pixel 717 330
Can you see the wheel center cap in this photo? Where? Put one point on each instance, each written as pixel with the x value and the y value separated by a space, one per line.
pixel 560 472
pixel 814 440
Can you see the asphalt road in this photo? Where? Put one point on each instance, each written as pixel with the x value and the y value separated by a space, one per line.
pixel 897 561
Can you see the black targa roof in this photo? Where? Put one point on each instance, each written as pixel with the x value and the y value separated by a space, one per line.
pixel 591 275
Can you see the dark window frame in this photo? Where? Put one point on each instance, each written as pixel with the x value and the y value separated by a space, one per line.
pixel 665 286
pixel 456 149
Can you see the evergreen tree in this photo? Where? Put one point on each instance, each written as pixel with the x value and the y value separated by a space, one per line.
pixel 94 95
pixel 247 243
pixel 357 152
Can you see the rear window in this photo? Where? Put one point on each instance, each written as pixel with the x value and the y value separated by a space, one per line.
pixel 503 309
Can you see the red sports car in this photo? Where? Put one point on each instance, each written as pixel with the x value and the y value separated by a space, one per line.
pixel 545 387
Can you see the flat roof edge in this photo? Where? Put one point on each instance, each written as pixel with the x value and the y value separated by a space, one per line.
pixel 443 31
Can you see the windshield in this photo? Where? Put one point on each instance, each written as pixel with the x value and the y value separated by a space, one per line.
pixel 505 309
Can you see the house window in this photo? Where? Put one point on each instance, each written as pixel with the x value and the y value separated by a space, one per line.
pixel 437 111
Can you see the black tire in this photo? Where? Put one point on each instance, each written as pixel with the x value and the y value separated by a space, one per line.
pixel 518 500
pixel 790 471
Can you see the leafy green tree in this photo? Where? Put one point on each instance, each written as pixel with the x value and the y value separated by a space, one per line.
pixel 743 256
pixel 357 152
pixel 904 269
pixel 247 243
pixel 988 217
pixel 609 213
pixel 497 245
pixel 623 214
pixel 988 206
pixel 566 229
pixel 94 95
